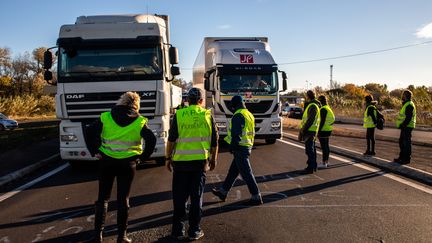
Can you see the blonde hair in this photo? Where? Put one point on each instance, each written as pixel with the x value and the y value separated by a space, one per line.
pixel 130 99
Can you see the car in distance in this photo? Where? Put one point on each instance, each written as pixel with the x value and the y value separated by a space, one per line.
pixel 6 123
pixel 292 111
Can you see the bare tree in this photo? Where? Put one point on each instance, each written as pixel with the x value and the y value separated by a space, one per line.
pixel 5 61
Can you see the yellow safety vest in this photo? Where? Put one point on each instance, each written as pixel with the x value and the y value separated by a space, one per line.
pixel 315 125
pixel 367 120
pixel 121 142
pixel 329 120
pixel 195 132
pixel 248 131
pixel 402 115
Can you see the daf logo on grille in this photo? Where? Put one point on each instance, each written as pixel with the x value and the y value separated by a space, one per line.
pixel 147 94
pixel 75 96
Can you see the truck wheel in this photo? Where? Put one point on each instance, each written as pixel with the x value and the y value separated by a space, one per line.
pixel 270 141
pixel 160 161
pixel 2 128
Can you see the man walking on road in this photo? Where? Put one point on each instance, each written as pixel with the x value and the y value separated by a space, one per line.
pixel 406 123
pixel 309 129
pixel 369 122
pixel 326 126
pixel 192 147
pixel 116 140
pixel 240 138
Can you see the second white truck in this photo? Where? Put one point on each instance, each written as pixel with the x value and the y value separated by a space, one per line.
pixel 243 66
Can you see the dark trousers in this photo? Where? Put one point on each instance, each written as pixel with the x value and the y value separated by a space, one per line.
pixel 370 139
pixel 310 151
pixel 325 147
pixel 241 165
pixel 124 170
pixel 187 184
pixel 405 144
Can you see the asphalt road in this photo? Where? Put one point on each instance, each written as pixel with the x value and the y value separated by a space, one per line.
pixel 348 202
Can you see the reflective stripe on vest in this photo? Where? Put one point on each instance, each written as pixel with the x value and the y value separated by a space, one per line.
pixel 195 132
pixel 315 125
pixel 248 131
pixel 329 120
pixel 121 142
pixel 402 115
pixel 367 120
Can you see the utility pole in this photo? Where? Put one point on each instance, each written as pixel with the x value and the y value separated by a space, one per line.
pixel 331 76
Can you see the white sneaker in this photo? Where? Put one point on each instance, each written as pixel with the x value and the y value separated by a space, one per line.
pixel 323 165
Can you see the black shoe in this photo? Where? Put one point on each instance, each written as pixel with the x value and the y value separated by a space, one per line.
pixel 219 194
pixel 308 171
pixel 196 235
pixel 367 153
pixel 372 153
pixel 404 162
pixel 253 202
pixel 396 160
pixel 180 236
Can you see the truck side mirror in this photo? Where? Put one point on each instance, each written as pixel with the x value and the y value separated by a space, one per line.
pixel 284 81
pixel 173 55
pixel 48 75
pixel 175 71
pixel 48 60
pixel 207 84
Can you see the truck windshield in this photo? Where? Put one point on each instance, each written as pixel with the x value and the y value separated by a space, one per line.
pixel 249 82
pixel 118 63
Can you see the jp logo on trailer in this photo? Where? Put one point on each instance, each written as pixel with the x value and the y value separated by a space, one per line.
pixel 246 59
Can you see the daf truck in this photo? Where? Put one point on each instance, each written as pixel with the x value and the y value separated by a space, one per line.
pixel 101 57
pixel 228 66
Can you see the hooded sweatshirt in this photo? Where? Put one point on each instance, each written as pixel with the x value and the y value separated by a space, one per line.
pixel 122 116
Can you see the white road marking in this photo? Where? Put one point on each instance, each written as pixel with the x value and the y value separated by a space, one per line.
pixel 393 177
pixel 31 183
pixel 326 206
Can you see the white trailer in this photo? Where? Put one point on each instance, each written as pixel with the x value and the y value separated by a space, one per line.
pixel 101 57
pixel 244 66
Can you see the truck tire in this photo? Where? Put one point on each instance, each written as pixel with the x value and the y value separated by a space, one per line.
pixel 2 128
pixel 75 164
pixel 270 140
pixel 160 161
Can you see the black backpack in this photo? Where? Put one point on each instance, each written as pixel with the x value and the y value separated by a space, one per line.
pixel 380 120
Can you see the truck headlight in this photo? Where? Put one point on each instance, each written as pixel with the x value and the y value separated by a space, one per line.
pixel 160 134
pixel 276 124
pixel 69 138
pixel 221 126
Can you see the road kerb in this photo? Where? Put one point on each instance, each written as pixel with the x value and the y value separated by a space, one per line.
pixel 406 171
pixel 27 170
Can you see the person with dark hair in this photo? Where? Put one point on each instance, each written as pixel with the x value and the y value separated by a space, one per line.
pixel 369 122
pixel 406 123
pixel 116 140
pixel 192 150
pixel 325 128
pixel 309 130
pixel 240 138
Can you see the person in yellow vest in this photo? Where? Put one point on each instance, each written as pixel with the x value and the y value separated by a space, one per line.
pixel 116 140
pixel 240 138
pixel 406 123
pixel 325 129
pixel 369 122
pixel 191 151
pixel 309 130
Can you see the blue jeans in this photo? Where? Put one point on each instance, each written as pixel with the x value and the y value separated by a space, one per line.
pixel 310 151
pixel 187 184
pixel 241 165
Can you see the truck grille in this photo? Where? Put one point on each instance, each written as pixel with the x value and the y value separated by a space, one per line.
pixel 254 108
pixel 91 105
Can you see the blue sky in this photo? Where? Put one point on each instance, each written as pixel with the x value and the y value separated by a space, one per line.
pixel 297 30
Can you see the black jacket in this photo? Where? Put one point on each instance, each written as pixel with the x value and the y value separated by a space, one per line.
pixel 409 110
pixel 123 116
pixel 310 117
